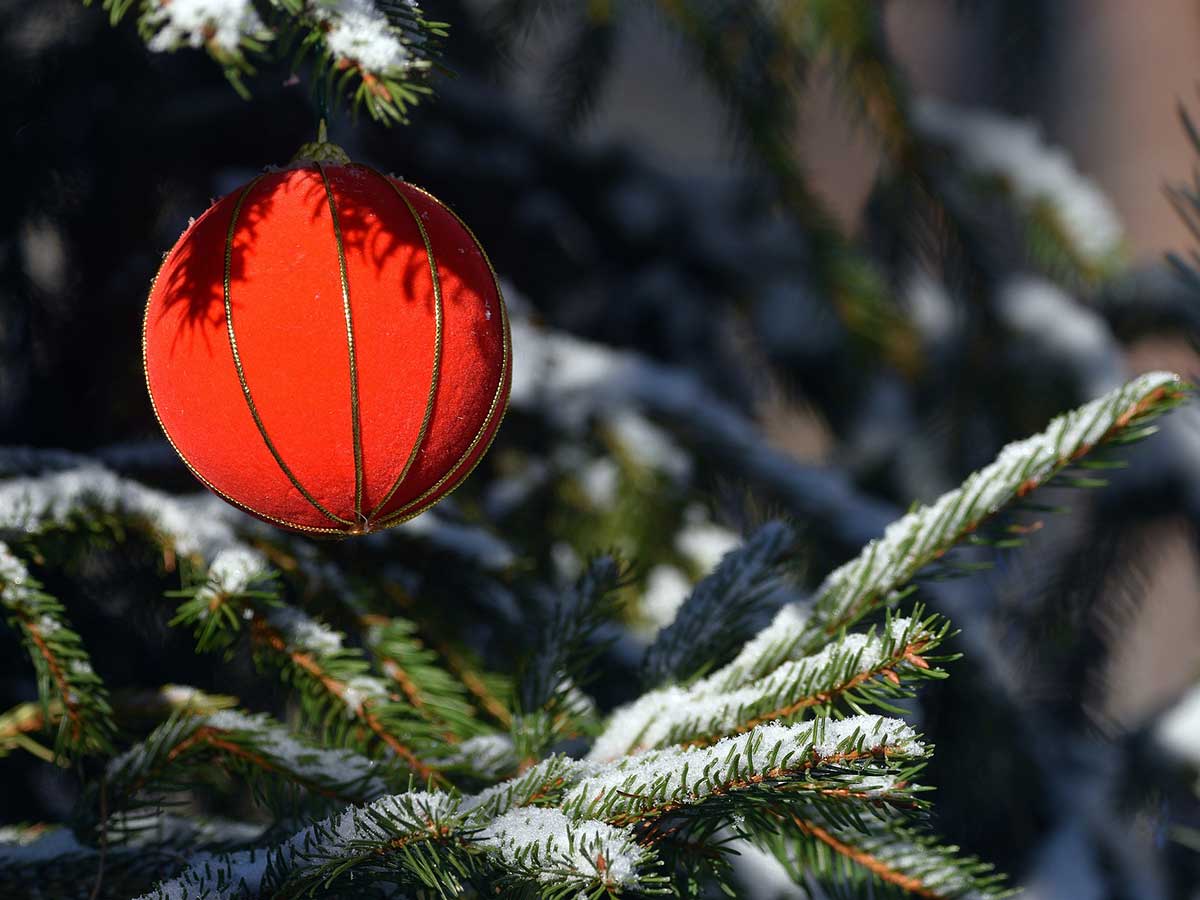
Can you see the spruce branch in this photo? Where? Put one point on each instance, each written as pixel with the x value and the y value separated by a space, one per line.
pixel 385 836
pixel 884 571
pixel 378 52
pixel 853 672
pixel 340 693
pixel 131 710
pixel 926 534
pixel 435 695
pixel 197 527
pixel 548 696
pixel 335 683
pixel 711 620
pixel 887 859
pixel 187 749
pixel 66 680
pixel 439 841
pixel 646 786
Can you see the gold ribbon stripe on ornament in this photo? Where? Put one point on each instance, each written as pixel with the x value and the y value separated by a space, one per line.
pixel 310 529
pixel 414 507
pixel 437 342
pixel 356 423
pixel 237 359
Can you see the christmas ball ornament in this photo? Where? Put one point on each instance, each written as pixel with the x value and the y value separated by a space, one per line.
pixel 327 347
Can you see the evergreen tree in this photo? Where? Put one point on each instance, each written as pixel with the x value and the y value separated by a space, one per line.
pixel 571 679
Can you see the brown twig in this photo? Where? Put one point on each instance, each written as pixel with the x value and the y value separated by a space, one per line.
pixel 649 813
pixel 909 653
pixel 878 867
pixel 305 661
pixel 64 686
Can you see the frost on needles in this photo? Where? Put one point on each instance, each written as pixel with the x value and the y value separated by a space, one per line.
pixel 404 777
pixel 387 46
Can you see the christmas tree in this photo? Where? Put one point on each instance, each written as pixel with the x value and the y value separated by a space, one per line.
pixel 649 647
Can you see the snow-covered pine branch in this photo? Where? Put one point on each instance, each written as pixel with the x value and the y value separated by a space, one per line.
pixel 854 672
pixel 73 486
pixel 881 858
pixel 728 698
pixel 888 565
pixel 862 759
pixel 384 833
pixel 187 748
pixel 648 785
pixel 340 693
pixel 200 524
pixel 927 533
pixel 388 46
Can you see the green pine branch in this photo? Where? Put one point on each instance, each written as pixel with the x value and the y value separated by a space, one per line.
pixel 376 54
pixel 708 625
pixel 550 678
pixel 259 753
pixel 434 694
pixel 67 683
pixel 884 859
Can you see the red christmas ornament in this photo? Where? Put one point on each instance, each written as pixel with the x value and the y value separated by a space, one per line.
pixel 327 347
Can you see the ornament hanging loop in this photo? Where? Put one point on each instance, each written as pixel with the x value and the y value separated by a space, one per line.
pixel 320 151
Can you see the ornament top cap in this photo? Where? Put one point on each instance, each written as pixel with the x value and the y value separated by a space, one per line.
pixel 320 151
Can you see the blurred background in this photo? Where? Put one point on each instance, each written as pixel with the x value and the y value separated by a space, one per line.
pixel 837 254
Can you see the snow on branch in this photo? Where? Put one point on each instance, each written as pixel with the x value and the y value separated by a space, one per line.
pixel 718 702
pixel 359 33
pixel 887 565
pixel 258 872
pixel 221 25
pixel 387 831
pixel 543 846
pixel 251 744
pixel 883 855
pixel 387 44
pixel 336 683
pixel 909 544
pixel 585 842
pixel 855 671
pixel 648 785
pixel 200 524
